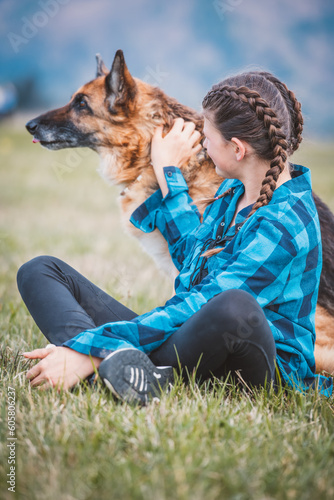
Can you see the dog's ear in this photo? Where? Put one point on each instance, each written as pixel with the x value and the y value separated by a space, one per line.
pixel 121 87
pixel 101 69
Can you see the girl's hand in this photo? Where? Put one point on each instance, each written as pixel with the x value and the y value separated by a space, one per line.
pixel 60 367
pixel 175 149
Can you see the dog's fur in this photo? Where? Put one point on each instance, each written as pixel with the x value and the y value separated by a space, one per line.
pixel 116 115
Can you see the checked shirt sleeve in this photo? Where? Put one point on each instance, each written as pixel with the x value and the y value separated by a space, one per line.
pixel 175 215
pixel 260 265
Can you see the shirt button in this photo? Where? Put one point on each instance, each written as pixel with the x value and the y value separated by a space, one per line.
pixel 222 224
pixel 169 173
pixel 219 238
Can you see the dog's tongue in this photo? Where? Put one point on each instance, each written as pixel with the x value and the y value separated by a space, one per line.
pixel 35 140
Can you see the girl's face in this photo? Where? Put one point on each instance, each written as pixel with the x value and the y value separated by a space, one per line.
pixel 220 151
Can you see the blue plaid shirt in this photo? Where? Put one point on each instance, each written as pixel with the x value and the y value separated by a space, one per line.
pixel 275 255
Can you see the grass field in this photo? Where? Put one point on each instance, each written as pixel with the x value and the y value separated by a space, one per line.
pixel 199 443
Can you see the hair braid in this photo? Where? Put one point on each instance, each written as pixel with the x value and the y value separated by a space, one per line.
pixel 294 108
pixel 205 202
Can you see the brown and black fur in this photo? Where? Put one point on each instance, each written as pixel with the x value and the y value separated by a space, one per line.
pixel 116 115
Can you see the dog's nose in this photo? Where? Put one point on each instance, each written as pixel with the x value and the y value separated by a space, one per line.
pixel 31 126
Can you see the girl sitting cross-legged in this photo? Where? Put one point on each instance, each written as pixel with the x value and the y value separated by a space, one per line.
pixel 249 272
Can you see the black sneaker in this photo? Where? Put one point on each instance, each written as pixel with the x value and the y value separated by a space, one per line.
pixel 131 376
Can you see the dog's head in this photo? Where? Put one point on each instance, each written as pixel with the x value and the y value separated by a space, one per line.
pixel 115 115
pixel 109 99
pixel 114 109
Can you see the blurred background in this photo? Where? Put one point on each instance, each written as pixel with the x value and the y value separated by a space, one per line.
pixel 48 47
pixel 53 202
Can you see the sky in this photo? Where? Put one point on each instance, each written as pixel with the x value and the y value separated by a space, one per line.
pixel 183 46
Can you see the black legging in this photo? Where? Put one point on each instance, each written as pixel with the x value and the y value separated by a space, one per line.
pixel 230 333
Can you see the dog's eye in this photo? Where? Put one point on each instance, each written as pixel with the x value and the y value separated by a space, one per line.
pixel 82 104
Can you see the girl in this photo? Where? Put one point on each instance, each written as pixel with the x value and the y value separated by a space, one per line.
pixel 249 273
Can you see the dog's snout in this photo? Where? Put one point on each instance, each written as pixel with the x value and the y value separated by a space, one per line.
pixel 32 126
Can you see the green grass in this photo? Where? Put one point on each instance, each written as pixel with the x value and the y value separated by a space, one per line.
pixel 200 442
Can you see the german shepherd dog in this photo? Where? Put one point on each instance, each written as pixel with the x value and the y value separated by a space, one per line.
pixel 116 115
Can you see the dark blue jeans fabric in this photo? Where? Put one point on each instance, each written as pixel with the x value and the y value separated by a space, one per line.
pixel 229 334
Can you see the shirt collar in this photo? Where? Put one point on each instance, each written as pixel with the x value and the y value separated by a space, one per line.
pixel 299 183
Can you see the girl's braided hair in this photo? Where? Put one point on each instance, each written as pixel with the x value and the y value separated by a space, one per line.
pixel 259 109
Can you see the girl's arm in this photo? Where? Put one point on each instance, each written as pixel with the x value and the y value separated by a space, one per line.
pixel 170 209
pixel 175 149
